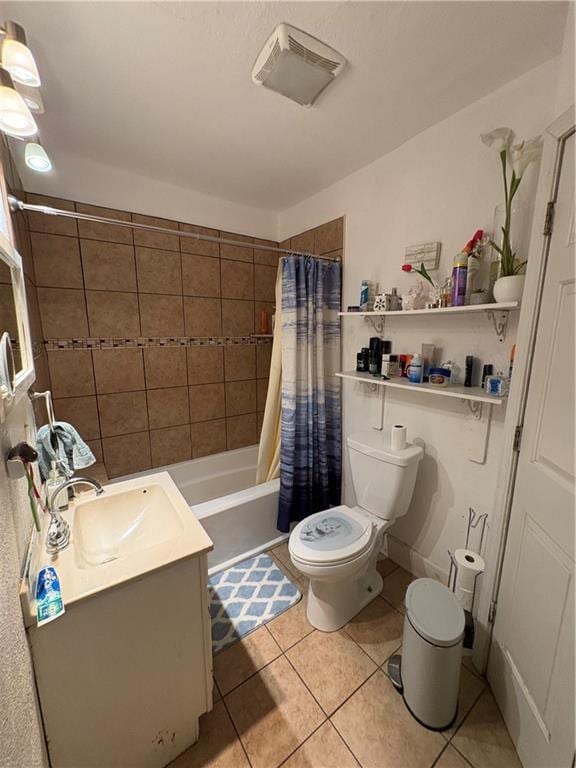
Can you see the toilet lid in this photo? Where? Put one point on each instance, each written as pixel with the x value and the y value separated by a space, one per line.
pixel 332 535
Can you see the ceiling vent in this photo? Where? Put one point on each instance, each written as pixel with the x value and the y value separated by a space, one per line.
pixel 296 65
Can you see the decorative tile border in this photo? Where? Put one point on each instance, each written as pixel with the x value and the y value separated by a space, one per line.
pixel 142 342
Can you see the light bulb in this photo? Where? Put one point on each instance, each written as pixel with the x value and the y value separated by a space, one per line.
pixel 17 58
pixel 15 117
pixel 36 158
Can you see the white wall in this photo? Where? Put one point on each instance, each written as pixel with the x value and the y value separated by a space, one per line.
pixel 79 178
pixel 565 87
pixel 441 185
pixel 21 739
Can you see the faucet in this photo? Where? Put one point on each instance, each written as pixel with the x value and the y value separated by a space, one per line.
pixel 58 536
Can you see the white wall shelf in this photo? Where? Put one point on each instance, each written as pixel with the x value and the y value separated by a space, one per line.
pixel 474 394
pixel 496 312
pixel 494 307
pixel 480 404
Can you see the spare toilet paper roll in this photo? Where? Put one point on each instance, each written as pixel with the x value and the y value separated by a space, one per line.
pixel 398 437
pixel 469 565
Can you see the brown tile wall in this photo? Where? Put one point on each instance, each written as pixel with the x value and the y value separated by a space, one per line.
pixel 152 405
pixel 325 240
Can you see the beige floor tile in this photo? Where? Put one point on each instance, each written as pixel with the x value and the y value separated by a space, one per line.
pixel 282 554
pixel 467 661
pixel 274 714
pixel 324 749
pixel 331 665
pixel 244 658
pixel 377 629
pixel 292 575
pixel 216 695
pixel 218 745
pixel 385 566
pixel 395 586
pixel 483 738
pixel 450 758
pixel 292 625
pixel 471 687
pixel 380 731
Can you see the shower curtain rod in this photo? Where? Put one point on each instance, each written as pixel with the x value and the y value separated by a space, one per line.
pixel 18 205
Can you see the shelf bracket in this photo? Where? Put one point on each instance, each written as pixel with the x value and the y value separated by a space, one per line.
pixel 475 407
pixel 478 430
pixel 499 322
pixel 377 323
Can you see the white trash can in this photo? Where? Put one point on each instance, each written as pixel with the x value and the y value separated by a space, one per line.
pixel 432 653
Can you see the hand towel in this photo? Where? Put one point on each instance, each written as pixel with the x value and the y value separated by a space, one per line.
pixel 71 453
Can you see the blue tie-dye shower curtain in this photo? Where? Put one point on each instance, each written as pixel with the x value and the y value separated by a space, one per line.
pixel 311 432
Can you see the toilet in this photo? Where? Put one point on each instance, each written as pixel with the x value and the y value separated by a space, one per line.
pixel 338 548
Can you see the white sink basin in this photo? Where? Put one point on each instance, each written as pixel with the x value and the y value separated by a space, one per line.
pixel 114 526
pixel 134 527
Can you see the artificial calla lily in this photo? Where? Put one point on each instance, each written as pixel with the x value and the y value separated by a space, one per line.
pixel 500 137
pixel 525 153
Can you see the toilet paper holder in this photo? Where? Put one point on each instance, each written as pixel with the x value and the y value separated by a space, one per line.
pixel 474 521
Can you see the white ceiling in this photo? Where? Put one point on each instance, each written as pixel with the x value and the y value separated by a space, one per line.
pixel 163 89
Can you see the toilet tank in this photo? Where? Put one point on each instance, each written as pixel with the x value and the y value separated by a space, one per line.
pixel 383 479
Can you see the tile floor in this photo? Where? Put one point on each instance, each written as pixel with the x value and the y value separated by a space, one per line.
pixel 290 696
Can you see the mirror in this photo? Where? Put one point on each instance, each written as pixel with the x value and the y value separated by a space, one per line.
pixel 13 326
pixel 8 317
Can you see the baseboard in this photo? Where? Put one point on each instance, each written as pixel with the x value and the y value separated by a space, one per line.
pixel 411 560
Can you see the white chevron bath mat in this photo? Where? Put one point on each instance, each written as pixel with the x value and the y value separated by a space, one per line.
pixel 244 597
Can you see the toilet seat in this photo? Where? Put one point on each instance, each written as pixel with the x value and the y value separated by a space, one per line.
pixel 332 536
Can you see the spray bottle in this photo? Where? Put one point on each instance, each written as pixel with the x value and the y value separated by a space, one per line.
pixel 460 271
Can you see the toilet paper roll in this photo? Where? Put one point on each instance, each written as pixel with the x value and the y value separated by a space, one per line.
pixel 469 565
pixel 465 597
pixel 398 437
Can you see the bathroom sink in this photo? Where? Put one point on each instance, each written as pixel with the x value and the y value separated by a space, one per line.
pixel 113 526
pixel 135 527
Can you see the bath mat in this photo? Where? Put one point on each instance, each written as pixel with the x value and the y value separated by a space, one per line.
pixel 244 597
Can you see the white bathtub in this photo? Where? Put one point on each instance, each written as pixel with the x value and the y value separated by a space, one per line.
pixel 239 517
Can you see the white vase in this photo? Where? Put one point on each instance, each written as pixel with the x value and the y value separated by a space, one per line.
pixel 517 237
pixel 509 288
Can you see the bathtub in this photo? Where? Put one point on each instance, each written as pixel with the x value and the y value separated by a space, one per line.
pixel 239 517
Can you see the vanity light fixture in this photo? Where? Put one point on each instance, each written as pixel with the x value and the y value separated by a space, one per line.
pixel 17 58
pixel 15 117
pixel 32 97
pixel 36 158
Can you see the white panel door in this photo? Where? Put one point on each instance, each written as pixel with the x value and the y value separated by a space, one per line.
pixel 532 657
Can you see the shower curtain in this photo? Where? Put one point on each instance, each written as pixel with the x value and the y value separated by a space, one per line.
pixel 311 434
pixel 268 467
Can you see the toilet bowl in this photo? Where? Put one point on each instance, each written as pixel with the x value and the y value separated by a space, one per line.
pixel 338 548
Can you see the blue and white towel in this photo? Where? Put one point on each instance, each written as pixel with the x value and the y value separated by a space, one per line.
pixel 71 452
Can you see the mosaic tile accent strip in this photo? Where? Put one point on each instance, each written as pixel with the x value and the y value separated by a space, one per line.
pixel 244 597
pixel 142 342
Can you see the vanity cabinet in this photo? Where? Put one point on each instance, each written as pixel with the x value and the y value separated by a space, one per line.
pixel 124 675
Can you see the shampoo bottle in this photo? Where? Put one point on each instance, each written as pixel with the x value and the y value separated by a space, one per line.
pixel 472 271
pixel 459 276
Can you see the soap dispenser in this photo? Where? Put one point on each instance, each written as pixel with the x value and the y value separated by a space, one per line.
pixel 53 480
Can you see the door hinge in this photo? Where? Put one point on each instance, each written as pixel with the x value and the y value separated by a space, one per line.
pixel 492 612
pixel 549 218
pixel 517 439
